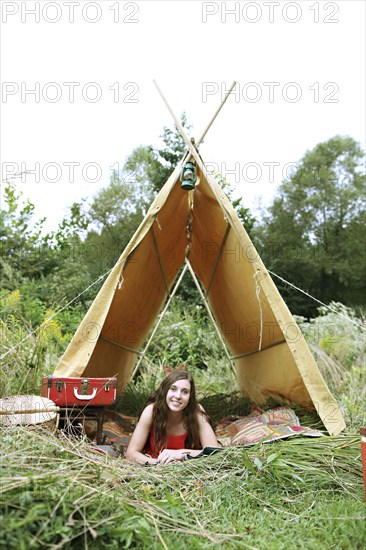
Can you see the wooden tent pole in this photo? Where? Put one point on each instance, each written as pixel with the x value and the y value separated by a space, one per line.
pixel 178 124
pixel 195 154
pixel 199 161
pixel 213 320
pixel 159 321
pixel 215 115
pixel 177 121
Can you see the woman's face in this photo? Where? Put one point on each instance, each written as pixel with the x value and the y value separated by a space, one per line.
pixel 178 395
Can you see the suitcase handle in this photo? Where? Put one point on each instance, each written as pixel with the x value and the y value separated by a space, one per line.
pixel 84 397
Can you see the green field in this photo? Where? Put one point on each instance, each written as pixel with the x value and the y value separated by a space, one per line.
pixel 294 494
pixel 301 493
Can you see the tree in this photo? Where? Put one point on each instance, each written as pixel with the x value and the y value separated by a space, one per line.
pixel 314 233
pixel 153 166
pixel 21 242
pixel 47 269
pixel 116 212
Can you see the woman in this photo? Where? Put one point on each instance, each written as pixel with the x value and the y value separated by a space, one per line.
pixel 172 425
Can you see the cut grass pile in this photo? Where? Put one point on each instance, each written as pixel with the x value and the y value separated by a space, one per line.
pixel 301 493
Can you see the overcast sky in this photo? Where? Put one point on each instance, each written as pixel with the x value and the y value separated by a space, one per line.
pixel 78 96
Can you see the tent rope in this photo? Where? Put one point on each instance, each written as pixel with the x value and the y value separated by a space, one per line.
pixel 13 348
pixel 210 314
pixel 189 224
pixel 332 309
pixel 162 315
pixel 257 294
pixel 159 259
pixel 217 259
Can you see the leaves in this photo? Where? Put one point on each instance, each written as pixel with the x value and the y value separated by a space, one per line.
pixel 314 233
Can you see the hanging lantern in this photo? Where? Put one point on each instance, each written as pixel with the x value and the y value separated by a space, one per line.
pixel 188 176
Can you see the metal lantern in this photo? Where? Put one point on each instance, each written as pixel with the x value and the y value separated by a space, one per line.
pixel 188 176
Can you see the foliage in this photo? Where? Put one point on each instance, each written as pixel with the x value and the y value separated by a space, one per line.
pixel 21 242
pixel 27 353
pixel 44 267
pixel 281 495
pixel 314 232
pixel 186 335
pixel 337 340
pixel 338 332
pixel 244 215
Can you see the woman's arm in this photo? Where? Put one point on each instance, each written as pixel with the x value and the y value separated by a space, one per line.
pixel 139 438
pixel 207 435
pixel 207 439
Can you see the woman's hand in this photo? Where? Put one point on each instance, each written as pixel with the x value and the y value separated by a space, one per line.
pixel 151 461
pixel 170 455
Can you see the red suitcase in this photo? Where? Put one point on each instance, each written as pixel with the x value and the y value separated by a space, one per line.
pixel 80 392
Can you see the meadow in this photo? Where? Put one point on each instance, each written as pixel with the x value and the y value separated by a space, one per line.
pixel 307 493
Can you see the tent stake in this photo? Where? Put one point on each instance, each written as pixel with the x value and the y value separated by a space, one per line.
pixel 207 306
pixel 158 322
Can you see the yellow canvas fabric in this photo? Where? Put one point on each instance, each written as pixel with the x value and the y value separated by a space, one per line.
pixel 270 354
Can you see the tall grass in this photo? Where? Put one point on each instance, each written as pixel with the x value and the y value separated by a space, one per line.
pixel 306 493
pixel 337 340
pixel 57 493
pixel 30 350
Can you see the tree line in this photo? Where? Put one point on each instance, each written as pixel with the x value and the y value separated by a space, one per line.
pixel 312 235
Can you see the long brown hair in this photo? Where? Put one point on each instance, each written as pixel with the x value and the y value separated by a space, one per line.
pixel 161 411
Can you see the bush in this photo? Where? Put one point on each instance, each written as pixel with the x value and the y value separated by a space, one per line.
pixel 27 351
pixel 337 340
pixel 186 335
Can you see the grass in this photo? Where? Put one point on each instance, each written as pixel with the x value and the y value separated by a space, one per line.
pixel 307 493
pixel 297 494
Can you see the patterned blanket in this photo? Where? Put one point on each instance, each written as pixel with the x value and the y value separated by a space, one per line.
pixel 259 426
pixel 262 426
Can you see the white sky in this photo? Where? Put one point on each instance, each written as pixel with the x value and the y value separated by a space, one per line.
pixel 277 52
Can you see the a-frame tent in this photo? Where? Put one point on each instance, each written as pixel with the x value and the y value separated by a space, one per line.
pixel 200 228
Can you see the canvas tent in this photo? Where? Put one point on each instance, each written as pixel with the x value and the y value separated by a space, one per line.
pixel 200 228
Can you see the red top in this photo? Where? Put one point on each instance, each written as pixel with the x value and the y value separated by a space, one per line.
pixel 174 442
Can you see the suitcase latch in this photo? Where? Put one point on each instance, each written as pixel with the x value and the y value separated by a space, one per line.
pixel 59 385
pixel 84 387
pixel 107 385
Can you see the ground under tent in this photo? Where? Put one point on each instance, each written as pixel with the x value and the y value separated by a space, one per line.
pixel 199 230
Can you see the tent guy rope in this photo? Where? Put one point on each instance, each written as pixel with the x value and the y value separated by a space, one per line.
pixel 333 310
pixel 257 293
pixel 13 348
